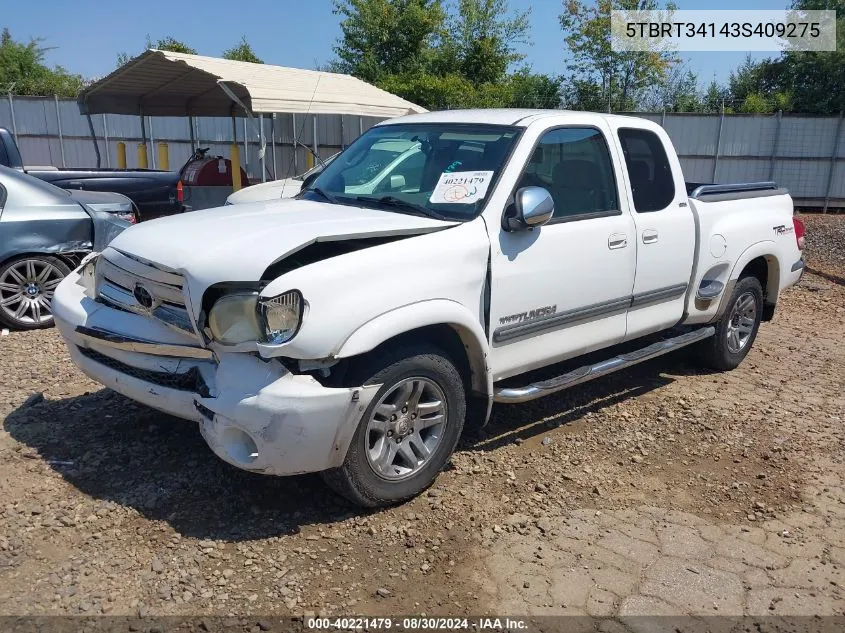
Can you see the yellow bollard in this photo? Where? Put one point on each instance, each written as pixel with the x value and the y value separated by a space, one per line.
pixel 163 156
pixel 121 155
pixel 142 156
pixel 235 157
pixel 309 161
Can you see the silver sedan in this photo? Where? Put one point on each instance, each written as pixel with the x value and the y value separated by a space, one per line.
pixel 44 232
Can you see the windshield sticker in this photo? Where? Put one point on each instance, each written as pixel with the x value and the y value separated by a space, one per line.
pixel 461 187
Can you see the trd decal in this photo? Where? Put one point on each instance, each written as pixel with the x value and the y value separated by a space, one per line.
pixel 783 229
pixel 528 316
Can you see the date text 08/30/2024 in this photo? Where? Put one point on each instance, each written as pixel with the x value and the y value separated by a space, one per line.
pixel 417 623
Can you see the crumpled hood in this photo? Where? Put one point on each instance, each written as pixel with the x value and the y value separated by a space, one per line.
pixel 238 242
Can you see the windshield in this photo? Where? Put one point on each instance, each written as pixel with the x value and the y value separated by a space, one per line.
pixel 442 170
pixel 316 169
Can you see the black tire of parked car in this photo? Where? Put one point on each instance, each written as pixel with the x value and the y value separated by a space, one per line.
pixel 357 479
pixel 729 346
pixel 48 271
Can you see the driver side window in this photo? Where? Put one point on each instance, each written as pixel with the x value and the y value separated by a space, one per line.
pixel 573 165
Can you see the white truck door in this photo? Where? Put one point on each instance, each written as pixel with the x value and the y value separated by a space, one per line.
pixel 665 230
pixel 563 289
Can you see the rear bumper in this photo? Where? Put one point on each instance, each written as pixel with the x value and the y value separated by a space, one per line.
pixel 253 414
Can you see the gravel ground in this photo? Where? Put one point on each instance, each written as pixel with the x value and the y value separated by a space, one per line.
pixel 826 243
pixel 110 507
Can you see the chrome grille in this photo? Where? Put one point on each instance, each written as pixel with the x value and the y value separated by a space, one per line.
pixel 119 275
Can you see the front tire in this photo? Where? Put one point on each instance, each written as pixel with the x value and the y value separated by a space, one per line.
pixel 27 285
pixel 737 328
pixel 410 429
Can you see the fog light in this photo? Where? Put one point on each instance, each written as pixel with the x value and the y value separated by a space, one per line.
pixel 239 446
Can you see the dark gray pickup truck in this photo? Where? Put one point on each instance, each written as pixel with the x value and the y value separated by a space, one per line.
pixel 153 192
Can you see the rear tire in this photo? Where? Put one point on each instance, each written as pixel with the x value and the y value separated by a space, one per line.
pixel 737 328
pixel 410 429
pixel 27 284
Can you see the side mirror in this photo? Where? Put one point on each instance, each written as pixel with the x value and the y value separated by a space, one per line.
pixel 397 182
pixel 532 206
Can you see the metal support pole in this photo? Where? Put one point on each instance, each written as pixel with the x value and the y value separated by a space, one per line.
pixel 718 142
pixel 94 140
pixel 246 151
pixel 191 132
pixel 293 146
pixel 143 137
pixel 273 142
pixel 106 139
pixel 775 144
pixel 342 145
pixel 59 125
pixel 47 130
pixel 314 136
pixel 360 125
pixel 12 112
pixel 663 118
pixel 235 158
pixel 152 142
pixel 262 151
pixel 833 155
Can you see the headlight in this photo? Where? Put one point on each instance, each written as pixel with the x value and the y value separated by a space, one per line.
pixel 234 319
pixel 281 316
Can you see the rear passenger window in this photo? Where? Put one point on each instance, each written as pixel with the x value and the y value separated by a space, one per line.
pixel 573 164
pixel 648 167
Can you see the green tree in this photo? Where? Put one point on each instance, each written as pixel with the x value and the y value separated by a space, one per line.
pixel 529 90
pixel 439 59
pixel 755 103
pixel 815 81
pixel 617 77
pixel 24 72
pixel 759 87
pixel 483 39
pixel 381 38
pixel 714 97
pixel 170 43
pixel 242 52
pixel 677 92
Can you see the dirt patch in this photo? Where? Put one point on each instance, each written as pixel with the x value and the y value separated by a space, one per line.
pixel 110 507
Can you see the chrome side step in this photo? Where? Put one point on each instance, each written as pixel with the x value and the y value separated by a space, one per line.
pixel 589 372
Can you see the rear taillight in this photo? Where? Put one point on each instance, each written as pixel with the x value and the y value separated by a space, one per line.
pixel 180 192
pixel 799 232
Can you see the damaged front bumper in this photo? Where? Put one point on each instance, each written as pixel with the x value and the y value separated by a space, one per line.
pixel 254 414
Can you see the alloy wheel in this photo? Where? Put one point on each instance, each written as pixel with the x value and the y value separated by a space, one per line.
pixel 26 288
pixel 405 428
pixel 741 322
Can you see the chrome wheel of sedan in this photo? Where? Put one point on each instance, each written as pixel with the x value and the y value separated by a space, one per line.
pixel 741 322
pixel 26 288
pixel 405 428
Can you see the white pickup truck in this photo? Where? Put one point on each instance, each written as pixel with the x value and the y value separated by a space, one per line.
pixel 359 334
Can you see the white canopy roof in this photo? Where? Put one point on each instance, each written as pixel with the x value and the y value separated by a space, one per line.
pixel 162 83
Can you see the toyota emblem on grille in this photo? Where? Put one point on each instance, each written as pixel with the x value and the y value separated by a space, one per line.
pixel 143 296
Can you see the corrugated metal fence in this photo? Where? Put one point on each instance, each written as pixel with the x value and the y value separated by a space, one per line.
pixel 51 131
pixel 804 154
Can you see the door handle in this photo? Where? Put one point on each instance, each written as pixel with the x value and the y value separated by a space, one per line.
pixel 617 240
pixel 649 236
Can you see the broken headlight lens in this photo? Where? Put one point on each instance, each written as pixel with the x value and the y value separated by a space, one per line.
pixel 234 319
pixel 281 316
